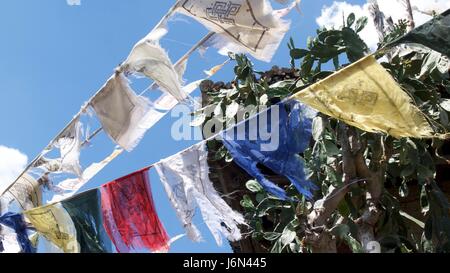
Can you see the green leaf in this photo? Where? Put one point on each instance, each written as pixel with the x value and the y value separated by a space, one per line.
pixel 424 173
pixel 253 186
pixel 331 148
pixel 354 244
pixel 297 53
pixel 251 100
pixel 279 92
pixel 277 247
pixel 361 24
pixel 272 236
pixel 289 233
pixel 332 40
pixel 350 19
pixel 260 196
pixel 324 52
pixel 336 62
pixel 307 65
pixel 247 203
pixel 341 231
pixel 355 46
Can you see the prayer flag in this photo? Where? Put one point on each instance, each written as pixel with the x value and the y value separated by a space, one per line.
pixel 366 96
pixel 130 216
pixel 243 26
pixel 85 211
pixel 55 224
pixel 186 181
pixel 289 134
pixel 123 114
pixel 150 59
pixel 17 223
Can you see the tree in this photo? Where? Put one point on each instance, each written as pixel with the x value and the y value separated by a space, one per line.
pixel 373 188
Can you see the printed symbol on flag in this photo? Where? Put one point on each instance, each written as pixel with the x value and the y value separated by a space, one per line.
pixel 363 101
pixel 223 12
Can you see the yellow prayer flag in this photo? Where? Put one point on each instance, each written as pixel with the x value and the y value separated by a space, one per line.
pixel 366 96
pixel 56 225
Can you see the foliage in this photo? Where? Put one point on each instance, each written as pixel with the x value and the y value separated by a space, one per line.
pixel 409 163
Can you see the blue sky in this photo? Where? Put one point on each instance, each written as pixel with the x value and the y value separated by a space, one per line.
pixel 53 57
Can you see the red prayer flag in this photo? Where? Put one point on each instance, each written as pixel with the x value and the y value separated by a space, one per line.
pixel 129 214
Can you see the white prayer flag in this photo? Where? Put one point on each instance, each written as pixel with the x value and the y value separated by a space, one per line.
pixel 185 179
pixel 124 116
pixel 243 26
pixel 69 145
pixel 149 59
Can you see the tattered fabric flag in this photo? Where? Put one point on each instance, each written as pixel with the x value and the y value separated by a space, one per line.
pixel 69 145
pixel 243 26
pixel 55 224
pixel 366 96
pixel 17 223
pixel 185 179
pixel 149 59
pixel 123 114
pixel 27 192
pixel 167 102
pixel 434 34
pixel 274 141
pixel 69 187
pixel 85 211
pixel 130 216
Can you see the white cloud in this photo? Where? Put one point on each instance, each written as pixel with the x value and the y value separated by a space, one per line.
pixel 332 15
pixel 12 163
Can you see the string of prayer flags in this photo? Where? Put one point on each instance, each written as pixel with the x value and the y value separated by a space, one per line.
pixel 366 96
pixel 186 181
pixel 86 213
pixel 157 110
pixel 274 142
pixel 123 114
pixel 17 223
pixel 130 216
pixel 434 34
pixel 242 26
